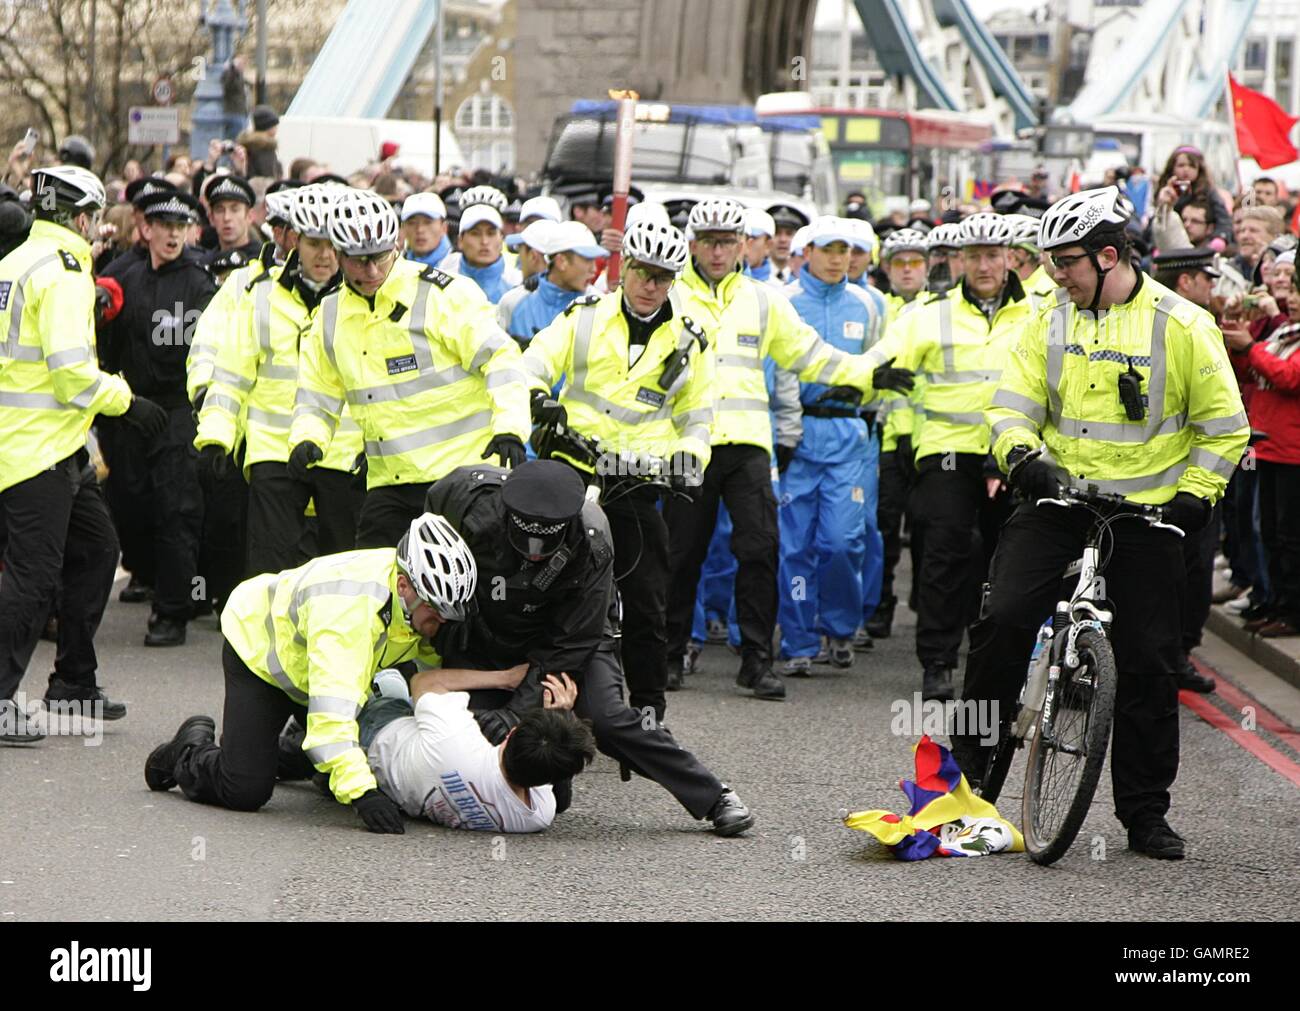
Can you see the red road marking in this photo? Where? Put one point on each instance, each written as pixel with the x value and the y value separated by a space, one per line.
pixel 1248 740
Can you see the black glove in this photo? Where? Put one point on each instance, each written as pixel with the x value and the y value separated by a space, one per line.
pixel 886 377
pixel 378 811
pixel 215 460
pixel 303 456
pixel 359 471
pixel 508 450
pixel 784 454
pixel 146 417
pixel 546 411
pixel 685 474
pixel 1033 478
pixel 905 457
pixel 851 394
pixel 1188 512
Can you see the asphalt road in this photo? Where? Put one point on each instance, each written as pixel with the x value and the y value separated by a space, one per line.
pixel 83 838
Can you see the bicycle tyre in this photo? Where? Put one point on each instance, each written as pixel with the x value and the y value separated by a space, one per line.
pixel 1048 843
pixel 999 765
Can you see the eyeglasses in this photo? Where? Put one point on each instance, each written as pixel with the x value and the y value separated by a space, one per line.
pixel 1066 262
pixel 653 277
pixel 378 259
pixel 719 241
pixel 907 262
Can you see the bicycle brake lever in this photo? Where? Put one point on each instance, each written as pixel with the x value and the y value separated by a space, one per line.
pixel 1053 501
pixel 1168 526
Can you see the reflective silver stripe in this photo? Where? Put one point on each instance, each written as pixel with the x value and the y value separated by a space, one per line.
pixel 1117 431
pixel 1159 371
pixel 1212 462
pixel 945 335
pixel 624 414
pixel 226 403
pixel 1031 409
pixel 421 383
pixel 763 309
pixel 536 368
pixel 490 346
pixel 323 401
pixel 273 665
pixel 62 359
pixel 40 401
pixel 700 416
pixel 1057 332
pixel 262 316
pixel 86 396
pixel 1005 425
pixel 874 356
pixel 328 752
pixel 331 587
pixel 416 328
pixel 505 377
pixel 18 297
pixel 956 417
pixel 949 378
pixel 315 412
pixel 741 404
pixel 333 705
pixel 805 359
pixel 229 378
pixel 739 362
pixel 429 436
pixel 1132 485
pixel 700 432
pixel 582 346
pixel 829 369
pixel 286 372
pixel 1221 426
pixel 894 404
pixel 269 418
pixel 329 321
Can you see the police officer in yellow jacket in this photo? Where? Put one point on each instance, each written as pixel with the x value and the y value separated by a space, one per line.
pixel 639 379
pixel 307 643
pixel 255 378
pixel 418 357
pixel 51 389
pixel 1027 260
pixel 957 342
pixel 748 322
pixel 1127 386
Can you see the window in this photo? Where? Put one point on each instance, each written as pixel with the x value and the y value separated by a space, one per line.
pixel 485 127
pixel 1255 57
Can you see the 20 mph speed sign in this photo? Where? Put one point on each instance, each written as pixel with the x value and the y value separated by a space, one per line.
pixel 163 91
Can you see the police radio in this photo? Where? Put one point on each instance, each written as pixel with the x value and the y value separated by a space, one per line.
pixel 1130 393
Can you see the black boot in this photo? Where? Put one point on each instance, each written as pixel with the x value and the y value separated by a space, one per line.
pixel 1192 680
pixel 165 632
pixel 756 675
pixel 936 684
pixel 160 766
pixel 89 703
pixel 675 679
pixel 729 814
pixel 882 622
pixel 136 592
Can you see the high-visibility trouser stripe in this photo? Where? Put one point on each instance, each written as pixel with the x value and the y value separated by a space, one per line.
pixel 429 436
pixel 741 404
pixel 505 377
pixel 1221 426
pixel 954 417
pixel 493 343
pixel 37 401
pixel 1212 462
pixel 273 665
pixel 62 359
pixel 1131 485
pixel 1110 431
pixel 956 378
pixel 407 388
pixel 270 419
pixel 228 404
pixel 333 705
pixel 12 348
pixel 323 753
pixel 1030 408
pixel 739 362
pixel 242 383
pixel 87 396
pixel 582 346
pixel 624 414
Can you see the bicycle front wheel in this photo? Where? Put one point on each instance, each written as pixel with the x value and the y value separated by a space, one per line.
pixel 1066 758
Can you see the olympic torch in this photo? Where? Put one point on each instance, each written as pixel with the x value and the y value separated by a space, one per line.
pixel 623 140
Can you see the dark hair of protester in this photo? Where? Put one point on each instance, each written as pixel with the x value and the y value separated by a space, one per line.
pixel 546 746
pixel 1202 183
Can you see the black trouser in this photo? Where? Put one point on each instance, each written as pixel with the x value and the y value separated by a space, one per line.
pixel 169 495
pixel 59 535
pixel 1199 550
pixel 641 572
pixel 740 476
pixel 387 513
pixel 276 520
pixel 1144 580
pixel 240 772
pixel 1279 527
pixel 225 517
pixel 947 500
pixel 128 491
pixel 895 483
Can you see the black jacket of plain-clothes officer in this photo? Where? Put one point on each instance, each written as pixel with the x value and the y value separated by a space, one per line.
pixel 545 595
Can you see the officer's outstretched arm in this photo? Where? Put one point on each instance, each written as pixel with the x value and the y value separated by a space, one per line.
pixel 1018 410
pixel 549 354
pixel 320 396
pixel 233 372
pixel 1215 413
pixel 470 327
pixel 67 335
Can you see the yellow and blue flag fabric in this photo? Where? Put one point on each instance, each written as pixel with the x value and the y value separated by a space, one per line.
pixel 946 819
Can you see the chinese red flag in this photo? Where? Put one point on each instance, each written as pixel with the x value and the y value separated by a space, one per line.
pixel 1263 127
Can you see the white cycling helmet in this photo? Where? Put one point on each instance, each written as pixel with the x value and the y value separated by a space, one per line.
pixel 68 188
pixel 278 205
pixel 1025 231
pixel 657 245
pixel 489 195
pixel 986 229
pixel 904 240
pixel 1085 218
pixel 717 214
pixel 309 213
pixel 362 223
pixel 944 237
pixel 439 565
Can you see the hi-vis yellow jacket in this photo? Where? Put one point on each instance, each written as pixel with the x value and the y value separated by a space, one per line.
pixel 896 408
pixel 1039 287
pixel 626 409
pixel 747 321
pixel 255 376
pixel 424 368
pixel 51 386
pixel 218 321
pixel 958 355
pixel 320 633
pixel 1059 388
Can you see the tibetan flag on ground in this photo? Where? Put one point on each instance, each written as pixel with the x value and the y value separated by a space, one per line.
pixel 1263 127
pixel 946 819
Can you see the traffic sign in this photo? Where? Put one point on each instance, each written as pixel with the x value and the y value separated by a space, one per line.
pixel 163 91
pixel 152 125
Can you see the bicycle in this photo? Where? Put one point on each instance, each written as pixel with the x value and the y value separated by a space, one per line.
pixel 1067 704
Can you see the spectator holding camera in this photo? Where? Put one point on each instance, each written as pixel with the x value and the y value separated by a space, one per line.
pixel 1186 178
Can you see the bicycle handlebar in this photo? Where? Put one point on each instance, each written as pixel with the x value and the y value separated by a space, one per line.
pixel 1153 515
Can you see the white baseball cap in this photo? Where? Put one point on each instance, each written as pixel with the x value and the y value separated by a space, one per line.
pixel 759 222
pixel 478 213
pixel 428 204
pixel 574 237
pixel 536 236
pixel 799 240
pixel 864 236
pixel 827 229
pixel 540 207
